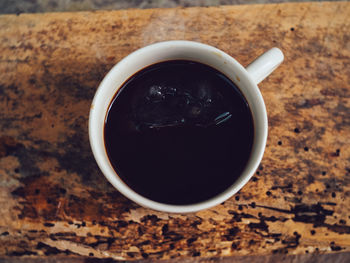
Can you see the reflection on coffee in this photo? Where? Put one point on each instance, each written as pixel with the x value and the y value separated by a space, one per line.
pixel 179 132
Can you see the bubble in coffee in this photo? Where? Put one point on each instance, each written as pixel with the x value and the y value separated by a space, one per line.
pixel 179 132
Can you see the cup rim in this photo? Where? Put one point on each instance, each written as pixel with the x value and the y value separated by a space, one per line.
pixel 105 166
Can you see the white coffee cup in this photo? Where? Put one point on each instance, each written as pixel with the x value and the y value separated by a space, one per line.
pixel 245 78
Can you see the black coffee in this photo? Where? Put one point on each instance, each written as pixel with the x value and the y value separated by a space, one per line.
pixel 179 132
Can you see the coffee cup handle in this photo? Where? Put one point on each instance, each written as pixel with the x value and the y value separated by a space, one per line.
pixel 265 64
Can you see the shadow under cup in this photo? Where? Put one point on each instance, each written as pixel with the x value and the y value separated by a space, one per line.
pixel 188 179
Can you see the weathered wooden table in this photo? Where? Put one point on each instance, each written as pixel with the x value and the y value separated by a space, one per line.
pixel 55 201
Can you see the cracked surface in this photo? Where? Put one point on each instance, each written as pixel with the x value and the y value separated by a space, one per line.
pixel 55 201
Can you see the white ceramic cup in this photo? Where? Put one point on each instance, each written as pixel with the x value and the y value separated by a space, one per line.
pixel 245 78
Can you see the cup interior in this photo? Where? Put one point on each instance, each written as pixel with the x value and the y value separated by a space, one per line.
pixel 176 50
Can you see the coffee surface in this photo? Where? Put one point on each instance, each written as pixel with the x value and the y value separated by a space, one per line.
pixel 179 132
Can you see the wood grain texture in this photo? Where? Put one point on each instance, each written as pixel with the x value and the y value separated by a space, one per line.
pixel 55 201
